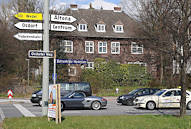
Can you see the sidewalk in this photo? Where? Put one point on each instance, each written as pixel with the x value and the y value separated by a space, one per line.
pixel 15 100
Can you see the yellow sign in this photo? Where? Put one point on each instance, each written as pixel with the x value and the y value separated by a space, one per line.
pixel 29 16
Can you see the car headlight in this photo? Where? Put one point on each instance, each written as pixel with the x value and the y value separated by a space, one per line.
pixel 122 97
pixel 141 99
pixel 33 95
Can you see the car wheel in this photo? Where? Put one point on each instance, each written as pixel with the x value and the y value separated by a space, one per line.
pixel 96 105
pixel 189 105
pixel 124 102
pixel 151 105
pixel 130 102
pixel 62 106
pixel 40 103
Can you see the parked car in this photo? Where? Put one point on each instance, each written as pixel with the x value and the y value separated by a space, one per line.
pixel 165 98
pixel 130 97
pixel 78 99
pixel 65 88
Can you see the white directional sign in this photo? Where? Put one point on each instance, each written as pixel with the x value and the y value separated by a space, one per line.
pixel 29 36
pixel 62 27
pixel 29 25
pixel 40 54
pixel 62 18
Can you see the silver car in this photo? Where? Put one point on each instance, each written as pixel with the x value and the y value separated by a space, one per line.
pixel 78 99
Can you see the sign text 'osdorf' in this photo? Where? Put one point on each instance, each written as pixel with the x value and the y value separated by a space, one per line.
pixel 29 25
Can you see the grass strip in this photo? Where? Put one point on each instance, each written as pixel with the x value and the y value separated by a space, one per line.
pixel 101 122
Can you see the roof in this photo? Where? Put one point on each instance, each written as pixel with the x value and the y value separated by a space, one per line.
pixel 93 17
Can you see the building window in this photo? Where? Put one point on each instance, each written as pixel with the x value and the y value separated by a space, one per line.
pixel 136 48
pixel 115 48
pixel 100 28
pixel 67 45
pixel 90 65
pixel 82 27
pixel 72 71
pixel 89 46
pixel 118 28
pixel 102 47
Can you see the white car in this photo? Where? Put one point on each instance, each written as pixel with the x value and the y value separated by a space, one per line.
pixel 165 98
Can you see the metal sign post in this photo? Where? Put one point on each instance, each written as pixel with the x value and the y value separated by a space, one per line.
pixel 54 66
pixel 45 80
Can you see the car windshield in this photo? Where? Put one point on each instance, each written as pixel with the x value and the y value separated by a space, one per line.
pixel 133 91
pixel 158 93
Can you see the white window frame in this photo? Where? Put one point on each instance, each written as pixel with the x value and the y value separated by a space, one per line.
pixel 99 45
pixel 115 48
pixel 64 45
pixel 89 44
pixel 136 46
pixel 82 27
pixel 116 29
pixel 69 71
pixel 89 64
pixel 100 28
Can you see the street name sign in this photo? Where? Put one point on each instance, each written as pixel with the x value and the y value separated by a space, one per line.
pixel 29 36
pixel 62 18
pixel 62 27
pixel 40 54
pixel 38 16
pixel 29 25
pixel 29 16
pixel 38 26
pixel 70 61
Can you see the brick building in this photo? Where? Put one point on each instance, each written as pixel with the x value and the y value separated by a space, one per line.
pixel 107 34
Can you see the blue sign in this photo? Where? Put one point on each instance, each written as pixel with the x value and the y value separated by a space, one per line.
pixel 53 76
pixel 70 61
pixel 40 54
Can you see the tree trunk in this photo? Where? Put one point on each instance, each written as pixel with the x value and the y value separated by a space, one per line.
pixel 161 69
pixel 183 90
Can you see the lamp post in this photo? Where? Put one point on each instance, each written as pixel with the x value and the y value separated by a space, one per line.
pixel 45 77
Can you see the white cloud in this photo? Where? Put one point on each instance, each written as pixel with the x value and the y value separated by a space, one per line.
pixel 97 4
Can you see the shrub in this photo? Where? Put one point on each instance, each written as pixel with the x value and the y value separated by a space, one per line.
pixel 110 74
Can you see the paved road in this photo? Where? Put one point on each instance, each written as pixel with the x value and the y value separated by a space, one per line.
pixel 25 108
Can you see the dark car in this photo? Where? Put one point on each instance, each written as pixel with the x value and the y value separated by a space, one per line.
pixel 78 99
pixel 130 97
pixel 65 88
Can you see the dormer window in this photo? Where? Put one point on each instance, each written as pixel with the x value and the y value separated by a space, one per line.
pixel 82 27
pixel 118 28
pixel 100 28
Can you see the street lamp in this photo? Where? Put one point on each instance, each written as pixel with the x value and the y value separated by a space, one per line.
pixel 28 60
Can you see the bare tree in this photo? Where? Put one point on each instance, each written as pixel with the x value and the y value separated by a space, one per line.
pixel 166 25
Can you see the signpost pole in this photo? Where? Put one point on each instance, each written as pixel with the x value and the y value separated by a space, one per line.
pixel 45 80
pixel 54 66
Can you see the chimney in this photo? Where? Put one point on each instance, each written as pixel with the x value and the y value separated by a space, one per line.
pixel 74 7
pixel 117 9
